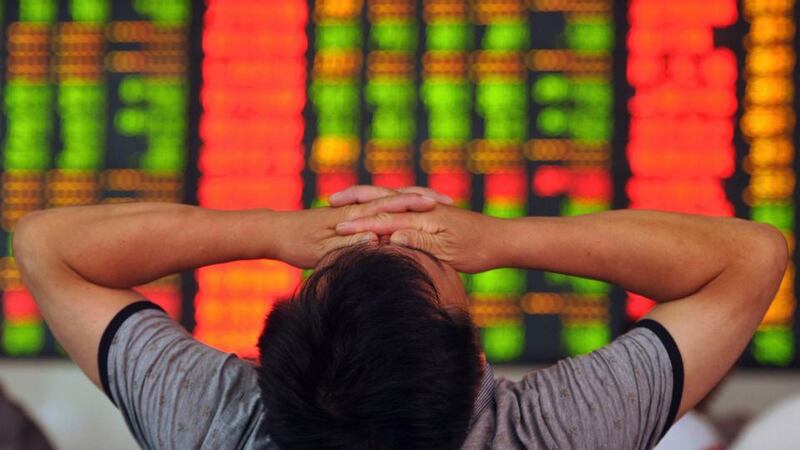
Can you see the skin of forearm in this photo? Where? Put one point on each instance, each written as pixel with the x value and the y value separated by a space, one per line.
pixel 121 246
pixel 663 256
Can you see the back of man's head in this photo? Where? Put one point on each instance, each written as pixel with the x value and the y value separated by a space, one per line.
pixel 365 357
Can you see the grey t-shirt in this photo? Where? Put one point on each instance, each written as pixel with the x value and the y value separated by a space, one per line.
pixel 175 392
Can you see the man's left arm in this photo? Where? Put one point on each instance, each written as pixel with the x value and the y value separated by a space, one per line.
pixel 81 263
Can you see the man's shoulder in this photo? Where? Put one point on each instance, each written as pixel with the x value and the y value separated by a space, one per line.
pixel 175 391
pixel 620 394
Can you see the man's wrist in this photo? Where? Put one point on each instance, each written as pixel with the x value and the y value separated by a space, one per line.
pixel 275 226
pixel 504 240
pixel 258 231
pixel 517 239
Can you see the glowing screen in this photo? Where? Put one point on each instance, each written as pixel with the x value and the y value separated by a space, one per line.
pixel 95 104
pixel 512 107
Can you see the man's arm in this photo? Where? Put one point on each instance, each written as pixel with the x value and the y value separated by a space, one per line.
pixel 714 277
pixel 80 263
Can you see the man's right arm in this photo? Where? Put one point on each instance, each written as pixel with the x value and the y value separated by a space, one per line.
pixel 714 278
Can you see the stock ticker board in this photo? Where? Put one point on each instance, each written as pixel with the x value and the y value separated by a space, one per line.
pixel 513 108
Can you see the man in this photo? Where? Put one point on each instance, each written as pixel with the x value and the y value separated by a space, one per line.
pixel 375 350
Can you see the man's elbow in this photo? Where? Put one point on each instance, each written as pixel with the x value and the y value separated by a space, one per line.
pixel 770 251
pixel 28 238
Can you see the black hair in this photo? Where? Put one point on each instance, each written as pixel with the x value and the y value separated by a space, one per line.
pixel 364 356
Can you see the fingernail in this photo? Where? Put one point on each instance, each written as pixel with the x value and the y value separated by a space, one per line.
pixel 335 196
pixel 447 199
pixel 429 199
pixel 364 239
pixel 344 227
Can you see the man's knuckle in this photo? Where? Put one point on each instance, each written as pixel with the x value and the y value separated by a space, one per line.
pixel 383 217
pixel 352 211
pixel 426 240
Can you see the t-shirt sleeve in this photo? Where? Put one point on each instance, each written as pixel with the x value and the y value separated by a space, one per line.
pixel 173 391
pixel 624 395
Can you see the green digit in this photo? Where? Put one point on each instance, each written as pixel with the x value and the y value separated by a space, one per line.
pixel 168 12
pixel 338 35
pixel 94 11
pixel 448 36
pixel 774 346
pixel 552 121
pixel 392 124
pixel 42 11
pixel 585 338
pixel 592 93
pixel 506 36
pixel 499 281
pixel 397 36
pixel 779 216
pixel 503 342
pixel 130 121
pixel 551 88
pixel 447 95
pixel 590 35
pixel 391 94
pixel 449 126
pixel 23 338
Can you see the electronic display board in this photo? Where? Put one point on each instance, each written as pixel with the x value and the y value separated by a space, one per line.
pixel 95 100
pixel 511 107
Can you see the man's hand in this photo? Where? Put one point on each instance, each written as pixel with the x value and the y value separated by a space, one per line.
pixel 307 235
pixel 464 239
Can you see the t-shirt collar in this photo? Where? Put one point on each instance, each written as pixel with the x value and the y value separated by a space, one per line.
pixel 485 394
